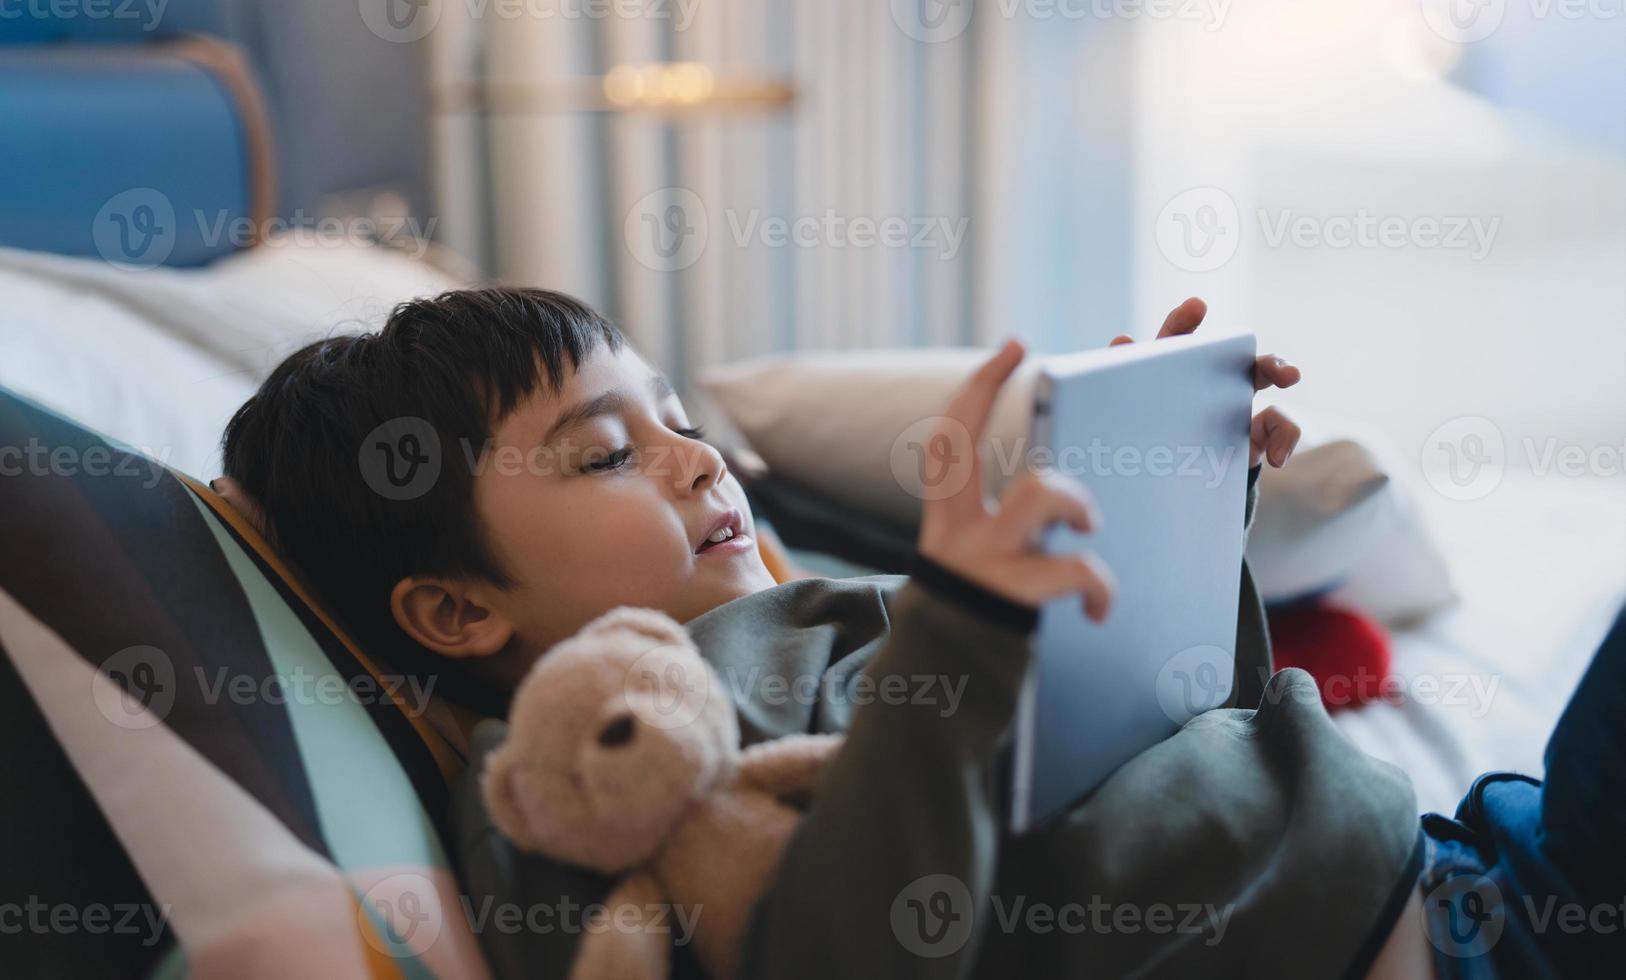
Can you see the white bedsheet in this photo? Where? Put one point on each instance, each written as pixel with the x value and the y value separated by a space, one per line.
pixel 1540 565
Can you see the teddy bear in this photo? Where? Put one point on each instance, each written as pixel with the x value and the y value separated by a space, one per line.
pixel 623 756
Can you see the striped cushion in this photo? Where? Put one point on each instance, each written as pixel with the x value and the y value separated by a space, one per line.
pixel 205 775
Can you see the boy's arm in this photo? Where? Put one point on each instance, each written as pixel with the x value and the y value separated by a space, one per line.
pixel 891 869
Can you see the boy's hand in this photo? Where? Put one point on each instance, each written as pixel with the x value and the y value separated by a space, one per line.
pixel 1273 435
pixel 993 544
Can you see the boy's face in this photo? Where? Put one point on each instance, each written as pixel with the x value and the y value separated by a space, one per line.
pixel 595 498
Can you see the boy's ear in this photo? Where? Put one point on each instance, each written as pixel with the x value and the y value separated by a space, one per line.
pixel 450 617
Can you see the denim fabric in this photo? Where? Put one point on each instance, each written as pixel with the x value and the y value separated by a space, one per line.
pixel 1529 878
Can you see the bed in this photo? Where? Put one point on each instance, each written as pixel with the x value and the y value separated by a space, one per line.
pixel 1539 566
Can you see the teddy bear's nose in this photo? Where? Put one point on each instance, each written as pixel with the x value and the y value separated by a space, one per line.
pixel 618 732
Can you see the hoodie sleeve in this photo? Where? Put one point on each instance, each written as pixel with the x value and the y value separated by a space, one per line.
pixel 892 893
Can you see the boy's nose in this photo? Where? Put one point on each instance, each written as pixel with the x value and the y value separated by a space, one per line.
pixel 703 465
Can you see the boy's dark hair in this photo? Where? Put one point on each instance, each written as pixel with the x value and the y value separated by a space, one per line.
pixel 341 444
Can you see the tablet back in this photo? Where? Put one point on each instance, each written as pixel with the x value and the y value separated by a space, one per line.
pixel 1158 433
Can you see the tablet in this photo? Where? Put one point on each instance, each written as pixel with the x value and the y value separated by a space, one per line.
pixel 1158 433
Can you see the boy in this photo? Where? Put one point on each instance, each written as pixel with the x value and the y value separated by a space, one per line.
pixel 570 481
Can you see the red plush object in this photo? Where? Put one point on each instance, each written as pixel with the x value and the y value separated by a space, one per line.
pixel 1347 653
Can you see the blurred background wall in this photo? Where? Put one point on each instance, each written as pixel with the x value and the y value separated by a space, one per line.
pixel 1421 202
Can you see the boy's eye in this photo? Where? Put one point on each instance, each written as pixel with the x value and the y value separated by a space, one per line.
pixel 614 460
pixel 696 432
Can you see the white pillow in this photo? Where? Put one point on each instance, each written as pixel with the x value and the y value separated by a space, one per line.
pixel 1337 520
pixel 160 358
pixel 1342 519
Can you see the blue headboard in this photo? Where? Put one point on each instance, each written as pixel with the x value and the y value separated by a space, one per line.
pixel 227 109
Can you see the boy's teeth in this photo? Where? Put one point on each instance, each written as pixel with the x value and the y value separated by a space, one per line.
pixel 723 534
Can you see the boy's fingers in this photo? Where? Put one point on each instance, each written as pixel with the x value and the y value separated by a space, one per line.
pixel 963 423
pixel 1272 371
pixel 1039 499
pixel 1183 319
pixel 1273 436
pixel 1282 443
pixel 1078 574
pixel 975 399
pixel 1121 339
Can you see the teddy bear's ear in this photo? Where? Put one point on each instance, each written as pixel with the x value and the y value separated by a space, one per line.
pixel 498 790
pixel 648 622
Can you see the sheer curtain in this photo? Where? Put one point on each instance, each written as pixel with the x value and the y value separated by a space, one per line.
pixel 919 186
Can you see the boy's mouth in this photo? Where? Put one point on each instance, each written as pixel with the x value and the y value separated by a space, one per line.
pixel 726 535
